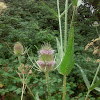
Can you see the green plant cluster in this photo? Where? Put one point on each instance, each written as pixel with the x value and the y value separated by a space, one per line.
pixel 29 22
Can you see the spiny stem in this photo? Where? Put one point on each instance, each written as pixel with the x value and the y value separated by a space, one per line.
pixel 93 81
pixel 59 16
pixel 64 88
pixel 47 83
pixel 71 24
pixel 65 37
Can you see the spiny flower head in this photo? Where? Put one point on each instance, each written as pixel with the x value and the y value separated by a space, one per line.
pixel 46 58
pixel 18 49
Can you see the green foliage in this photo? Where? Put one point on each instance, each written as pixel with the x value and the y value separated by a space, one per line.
pixel 95 85
pixel 29 22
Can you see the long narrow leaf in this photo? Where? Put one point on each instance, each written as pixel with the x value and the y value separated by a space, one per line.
pixel 7 74
pixel 51 10
pixel 58 56
pixel 86 79
pixel 68 60
pixel 84 76
pixel 64 10
pixel 58 48
pixel 97 89
pixel 95 85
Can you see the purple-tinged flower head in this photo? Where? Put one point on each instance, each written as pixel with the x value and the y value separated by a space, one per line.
pixel 18 49
pixel 46 58
pixel 48 52
pixel 95 24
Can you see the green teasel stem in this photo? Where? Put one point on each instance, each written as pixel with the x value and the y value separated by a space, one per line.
pixel 87 95
pixel 59 16
pixel 65 36
pixel 19 59
pixel 64 88
pixel 93 81
pixel 47 83
pixel 23 81
pixel 30 91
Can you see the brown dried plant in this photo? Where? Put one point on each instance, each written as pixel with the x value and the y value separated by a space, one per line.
pixel 94 45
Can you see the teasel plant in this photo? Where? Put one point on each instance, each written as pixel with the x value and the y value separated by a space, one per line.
pixel 23 70
pixel 65 47
pixel 45 63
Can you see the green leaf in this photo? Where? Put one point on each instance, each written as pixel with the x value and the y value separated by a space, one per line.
pixel 86 79
pixel 37 96
pixel 18 91
pixel 63 13
pixel 58 56
pixel 7 74
pixel 84 76
pixel 68 60
pixel 97 89
pixel 59 51
pixel 74 2
pixel 95 85
pixel 51 10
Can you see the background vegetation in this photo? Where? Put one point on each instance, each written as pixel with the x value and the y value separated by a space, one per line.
pixel 29 22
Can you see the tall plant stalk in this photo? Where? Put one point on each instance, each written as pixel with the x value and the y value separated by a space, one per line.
pixel 64 87
pixel 65 47
pixel 23 81
pixel 64 78
pixel 59 16
pixel 47 83
pixel 65 36
pixel 93 82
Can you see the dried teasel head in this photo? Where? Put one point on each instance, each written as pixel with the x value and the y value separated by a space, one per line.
pixel 46 58
pixel 2 6
pixel 18 49
pixel 25 69
pixel 97 61
pixel 95 45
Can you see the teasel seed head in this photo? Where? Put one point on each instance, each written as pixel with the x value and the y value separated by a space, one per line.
pixel 18 49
